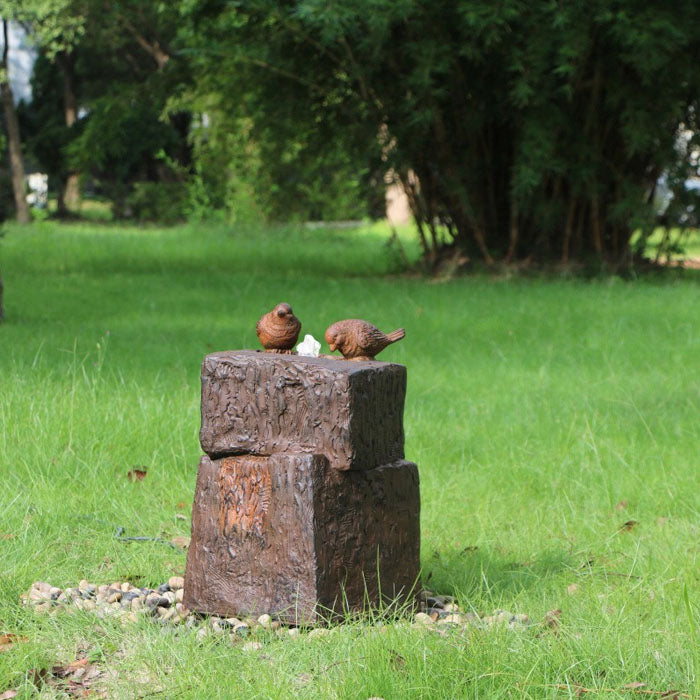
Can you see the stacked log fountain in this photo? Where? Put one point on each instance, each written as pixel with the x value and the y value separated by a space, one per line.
pixel 304 504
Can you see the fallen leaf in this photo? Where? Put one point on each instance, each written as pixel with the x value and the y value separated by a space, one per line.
pixel 571 590
pixel 180 505
pixel 8 639
pixel 397 661
pixel 137 474
pixel 73 679
pixel 621 505
pixel 37 676
pixel 626 527
pixel 634 684
pixel 181 541
pixel 6 535
pixel 303 679
pixel 69 669
pixel 551 620
pixel 11 693
pixel 180 516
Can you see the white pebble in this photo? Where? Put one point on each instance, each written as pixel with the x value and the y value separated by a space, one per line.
pixel 176 582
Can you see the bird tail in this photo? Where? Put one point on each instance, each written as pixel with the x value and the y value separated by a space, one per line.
pixel 396 335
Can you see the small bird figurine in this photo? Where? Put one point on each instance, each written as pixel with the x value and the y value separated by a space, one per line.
pixel 359 340
pixel 279 329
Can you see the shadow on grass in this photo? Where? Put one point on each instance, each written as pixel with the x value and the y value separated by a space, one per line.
pixel 476 572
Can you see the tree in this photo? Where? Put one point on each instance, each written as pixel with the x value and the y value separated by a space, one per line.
pixel 14 141
pixel 56 26
pixel 126 76
pixel 112 59
pixel 520 131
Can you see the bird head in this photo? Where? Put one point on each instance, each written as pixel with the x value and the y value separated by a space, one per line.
pixel 333 338
pixel 283 311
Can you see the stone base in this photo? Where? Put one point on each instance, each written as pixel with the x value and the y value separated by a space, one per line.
pixel 289 536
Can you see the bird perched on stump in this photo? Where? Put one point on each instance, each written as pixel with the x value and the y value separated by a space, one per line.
pixel 359 340
pixel 279 329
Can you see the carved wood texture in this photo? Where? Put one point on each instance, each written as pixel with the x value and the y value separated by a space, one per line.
pixel 287 535
pixel 262 404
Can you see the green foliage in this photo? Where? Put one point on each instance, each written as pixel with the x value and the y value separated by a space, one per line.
pixel 536 130
pixel 119 71
pixel 521 131
pixel 120 140
pixel 55 25
pixel 163 202
pixel 43 124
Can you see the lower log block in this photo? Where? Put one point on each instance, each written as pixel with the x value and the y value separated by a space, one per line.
pixel 290 536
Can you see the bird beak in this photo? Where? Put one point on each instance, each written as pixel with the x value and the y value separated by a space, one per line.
pixel 332 346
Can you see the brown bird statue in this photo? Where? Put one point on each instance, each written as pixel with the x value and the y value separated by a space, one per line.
pixel 279 329
pixel 359 340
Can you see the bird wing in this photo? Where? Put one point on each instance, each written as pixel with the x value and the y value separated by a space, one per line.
pixel 371 335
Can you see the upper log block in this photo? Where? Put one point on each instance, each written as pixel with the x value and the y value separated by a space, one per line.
pixel 262 403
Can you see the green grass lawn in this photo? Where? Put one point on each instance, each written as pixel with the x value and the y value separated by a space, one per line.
pixel 543 415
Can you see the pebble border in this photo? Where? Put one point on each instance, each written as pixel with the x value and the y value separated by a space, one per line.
pixel 130 603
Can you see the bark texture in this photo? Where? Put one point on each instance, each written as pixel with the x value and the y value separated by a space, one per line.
pixel 69 198
pixel 287 535
pixel 261 404
pixel 14 141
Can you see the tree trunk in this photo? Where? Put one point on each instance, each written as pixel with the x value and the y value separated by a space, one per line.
pixel 70 197
pixel 13 138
